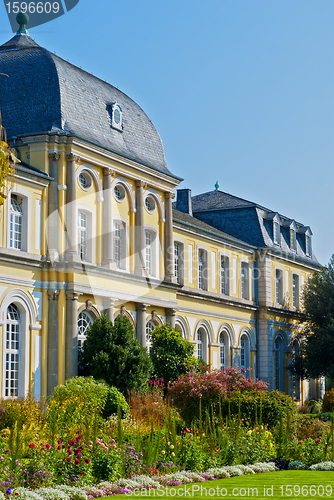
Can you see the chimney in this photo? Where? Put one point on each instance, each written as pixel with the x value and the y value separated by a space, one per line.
pixel 183 201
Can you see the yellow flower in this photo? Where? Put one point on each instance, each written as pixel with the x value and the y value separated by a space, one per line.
pixel 171 446
pixel 163 452
pixel 249 433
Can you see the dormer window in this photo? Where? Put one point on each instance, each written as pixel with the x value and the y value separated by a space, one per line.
pixel 117 117
pixel 293 241
pixel 276 231
pixel 308 247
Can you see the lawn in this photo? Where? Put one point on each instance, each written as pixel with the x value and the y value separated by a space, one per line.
pixel 273 485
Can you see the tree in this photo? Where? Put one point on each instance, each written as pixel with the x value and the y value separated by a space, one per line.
pixel 111 353
pixel 316 356
pixel 171 354
pixel 7 162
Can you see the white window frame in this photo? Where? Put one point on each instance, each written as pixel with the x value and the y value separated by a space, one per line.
pixel 226 258
pixel 308 245
pixel 25 196
pixel 206 269
pixel 203 344
pixel 245 361
pixel 83 315
pixel 154 271
pixel 91 232
pixel 124 242
pixel 245 291
pixel 276 232
pixel 293 239
pixel 182 246
pixel 222 351
pixel 295 290
pixel 279 292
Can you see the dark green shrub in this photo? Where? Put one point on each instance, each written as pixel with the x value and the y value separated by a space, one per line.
pixel 260 407
pixel 111 353
pixel 115 399
pixel 328 402
pixel 107 465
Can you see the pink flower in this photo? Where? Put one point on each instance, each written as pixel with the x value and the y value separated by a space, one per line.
pixel 59 447
pixel 70 452
pixel 78 439
pixel 47 446
pixel 77 462
pixel 78 456
pixel 31 445
pixel 81 473
pixel 87 460
pixel 69 459
pixel 293 437
pixel 59 441
pixel 300 442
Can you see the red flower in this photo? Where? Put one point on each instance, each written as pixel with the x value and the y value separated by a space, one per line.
pixel 47 446
pixel 78 439
pixel 78 456
pixel 81 473
pixel 59 441
pixel 70 452
pixel 59 447
pixel 87 460
pixel 69 459
pixel 77 462
pixel 32 445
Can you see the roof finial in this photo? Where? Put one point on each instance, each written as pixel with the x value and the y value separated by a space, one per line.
pixel 217 186
pixel 22 19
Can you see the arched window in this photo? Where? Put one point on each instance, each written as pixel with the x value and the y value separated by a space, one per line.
pixel 148 252
pixel 12 352
pixel 150 326
pixel 84 322
pixel 279 363
pixel 221 351
pixel 200 345
pixel 245 355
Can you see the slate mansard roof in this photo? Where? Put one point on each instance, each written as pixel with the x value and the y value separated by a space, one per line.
pixel 43 94
pixel 250 222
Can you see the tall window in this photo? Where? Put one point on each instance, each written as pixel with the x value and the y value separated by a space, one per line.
pixel 84 323
pixel 308 248
pixel 12 352
pixel 16 219
pixel 279 286
pixel 177 262
pixel 150 326
pixel 224 275
pixel 221 352
pixel 201 269
pixel 148 252
pixel 200 343
pixel 279 364
pixel 245 355
pixel 83 235
pixel 276 233
pixel 293 241
pixel 295 290
pixel 244 281
pixel 117 240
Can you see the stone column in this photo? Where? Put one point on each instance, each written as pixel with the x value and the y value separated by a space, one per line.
pixel 107 229
pixel 71 253
pixel 140 264
pixel 141 323
pixel 169 241
pixel 170 317
pixel 52 349
pixel 52 229
pixel 71 340
pixel 108 308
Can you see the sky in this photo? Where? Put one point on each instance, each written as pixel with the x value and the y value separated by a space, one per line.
pixel 241 91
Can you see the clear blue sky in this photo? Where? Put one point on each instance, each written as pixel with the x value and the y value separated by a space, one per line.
pixel 241 91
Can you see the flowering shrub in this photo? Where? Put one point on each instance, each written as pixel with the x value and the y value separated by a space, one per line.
pixel 207 389
pixel 323 466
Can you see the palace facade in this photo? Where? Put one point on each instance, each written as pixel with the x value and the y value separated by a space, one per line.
pixel 90 227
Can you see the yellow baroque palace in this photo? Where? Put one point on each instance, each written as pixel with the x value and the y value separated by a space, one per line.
pixel 90 227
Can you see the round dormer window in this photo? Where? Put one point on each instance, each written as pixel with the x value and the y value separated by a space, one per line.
pixel 85 180
pixel 119 192
pixel 150 204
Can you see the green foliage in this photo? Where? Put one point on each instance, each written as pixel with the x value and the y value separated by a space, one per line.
pixel 316 356
pixel 111 353
pixel 115 402
pixel 261 407
pixel 171 354
pixel 328 402
pixel 76 403
pixel 107 465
